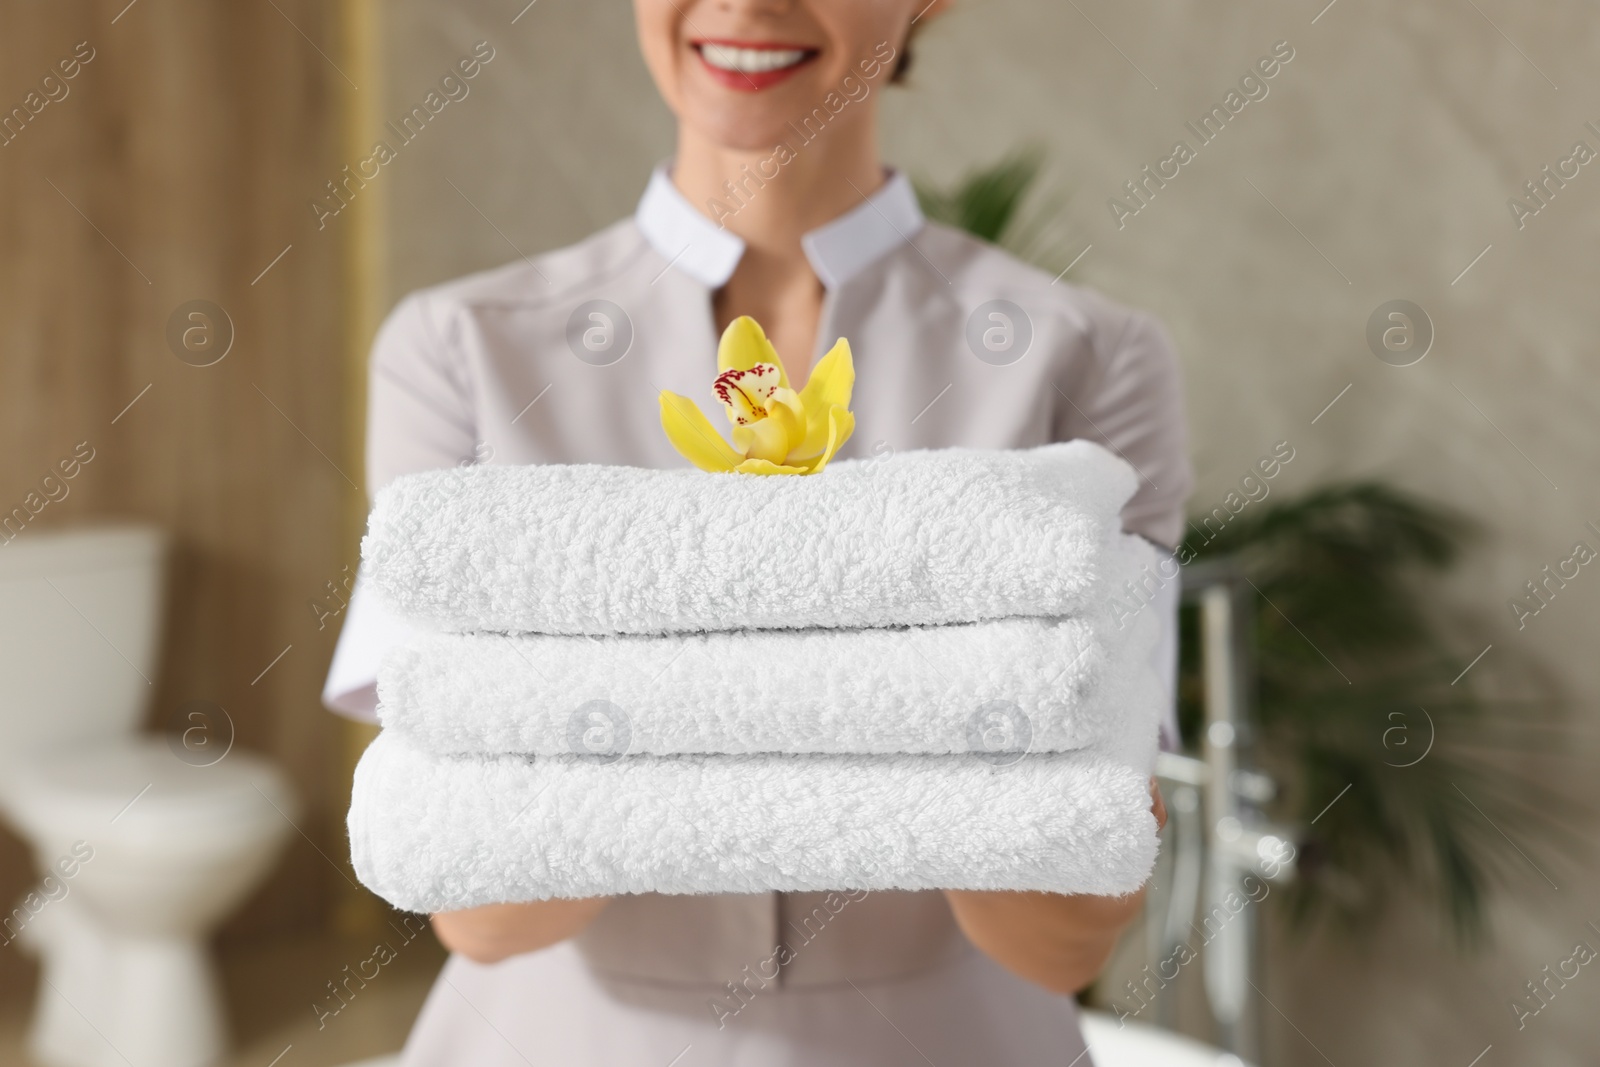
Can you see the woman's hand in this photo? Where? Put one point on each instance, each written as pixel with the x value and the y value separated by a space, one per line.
pixel 1058 942
pixel 495 932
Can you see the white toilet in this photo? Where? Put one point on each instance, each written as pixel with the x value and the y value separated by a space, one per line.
pixel 143 845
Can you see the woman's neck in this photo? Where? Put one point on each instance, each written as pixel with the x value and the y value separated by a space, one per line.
pixel 778 196
pixel 781 196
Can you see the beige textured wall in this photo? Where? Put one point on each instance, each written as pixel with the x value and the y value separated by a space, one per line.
pixel 1381 159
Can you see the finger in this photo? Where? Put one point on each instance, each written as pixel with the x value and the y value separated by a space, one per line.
pixel 1158 806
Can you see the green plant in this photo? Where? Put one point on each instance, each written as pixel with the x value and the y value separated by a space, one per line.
pixel 1001 204
pixel 1399 774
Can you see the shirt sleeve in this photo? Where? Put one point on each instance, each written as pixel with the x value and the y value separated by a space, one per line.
pixel 419 398
pixel 419 417
pixel 1133 404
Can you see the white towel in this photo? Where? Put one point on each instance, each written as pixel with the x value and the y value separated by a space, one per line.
pixel 434 833
pixel 1050 685
pixel 916 538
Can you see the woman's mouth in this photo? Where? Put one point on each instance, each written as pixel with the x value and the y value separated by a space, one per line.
pixel 750 66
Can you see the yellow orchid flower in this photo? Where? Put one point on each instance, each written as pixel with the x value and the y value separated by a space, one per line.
pixel 775 429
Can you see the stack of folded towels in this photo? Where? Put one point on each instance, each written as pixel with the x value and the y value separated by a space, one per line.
pixel 912 672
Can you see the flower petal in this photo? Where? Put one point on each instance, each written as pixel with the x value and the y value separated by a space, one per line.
pixel 766 439
pixel 784 405
pixel 832 381
pixel 761 466
pixel 841 424
pixel 744 344
pixel 692 435
pixel 744 393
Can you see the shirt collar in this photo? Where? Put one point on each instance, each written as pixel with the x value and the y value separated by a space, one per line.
pixel 837 250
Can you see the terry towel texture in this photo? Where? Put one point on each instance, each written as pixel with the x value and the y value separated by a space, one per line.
pixel 433 833
pixel 917 538
pixel 912 672
pixel 1063 682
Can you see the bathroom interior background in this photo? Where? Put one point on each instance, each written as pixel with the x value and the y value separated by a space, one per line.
pixel 1377 167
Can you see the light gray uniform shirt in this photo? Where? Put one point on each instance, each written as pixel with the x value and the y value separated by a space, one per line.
pixel 560 359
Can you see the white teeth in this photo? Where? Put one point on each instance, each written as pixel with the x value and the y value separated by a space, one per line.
pixel 750 60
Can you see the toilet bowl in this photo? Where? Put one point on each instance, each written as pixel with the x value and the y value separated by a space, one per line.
pixel 142 848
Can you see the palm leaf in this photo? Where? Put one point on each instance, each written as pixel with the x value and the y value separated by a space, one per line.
pixel 1345 660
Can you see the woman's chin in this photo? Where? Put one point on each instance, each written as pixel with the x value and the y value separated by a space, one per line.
pixel 742 129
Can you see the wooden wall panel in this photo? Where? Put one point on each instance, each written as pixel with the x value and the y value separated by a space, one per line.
pixel 178 167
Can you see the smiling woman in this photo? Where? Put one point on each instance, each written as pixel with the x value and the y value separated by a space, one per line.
pixel 732 122
pixel 772 104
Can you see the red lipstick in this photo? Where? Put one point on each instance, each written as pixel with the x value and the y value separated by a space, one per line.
pixel 731 64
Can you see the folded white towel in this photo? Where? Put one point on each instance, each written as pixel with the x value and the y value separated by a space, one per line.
pixel 435 833
pixel 1036 684
pixel 916 538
